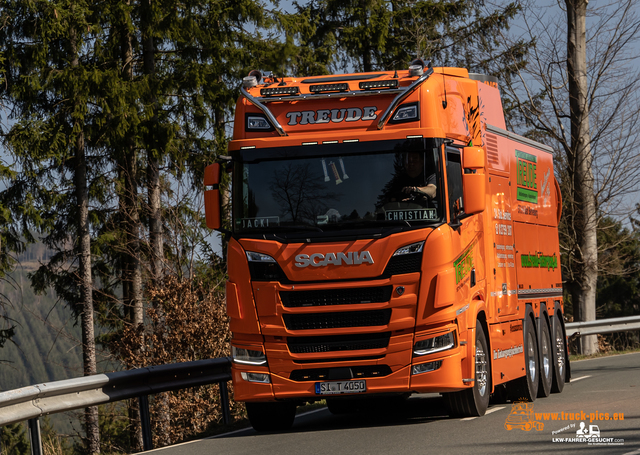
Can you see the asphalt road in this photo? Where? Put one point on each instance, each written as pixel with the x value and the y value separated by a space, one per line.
pixel 421 425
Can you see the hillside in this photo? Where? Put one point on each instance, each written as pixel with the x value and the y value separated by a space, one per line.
pixel 46 345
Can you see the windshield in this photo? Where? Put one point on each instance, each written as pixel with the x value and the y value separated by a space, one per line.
pixel 337 187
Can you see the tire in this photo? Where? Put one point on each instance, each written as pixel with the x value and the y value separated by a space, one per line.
pixel 474 401
pixel 545 360
pixel 526 387
pixel 271 416
pixel 559 347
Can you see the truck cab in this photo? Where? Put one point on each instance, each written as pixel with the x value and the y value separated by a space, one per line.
pixel 372 243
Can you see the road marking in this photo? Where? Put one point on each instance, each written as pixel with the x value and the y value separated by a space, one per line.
pixel 577 379
pixel 636 452
pixel 489 411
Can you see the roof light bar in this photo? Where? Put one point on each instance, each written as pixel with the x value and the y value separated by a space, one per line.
pixel 372 85
pixel 329 88
pixel 277 91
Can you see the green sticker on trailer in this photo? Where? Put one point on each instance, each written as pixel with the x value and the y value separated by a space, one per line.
pixel 526 173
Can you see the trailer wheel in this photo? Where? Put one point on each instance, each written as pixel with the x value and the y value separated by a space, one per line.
pixel 559 356
pixel 271 416
pixel 526 387
pixel 546 361
pixel 474 401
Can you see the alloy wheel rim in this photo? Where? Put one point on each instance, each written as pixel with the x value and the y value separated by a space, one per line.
pixel 481 370
pixel 559 352
pixel 532 358
pixel 546 358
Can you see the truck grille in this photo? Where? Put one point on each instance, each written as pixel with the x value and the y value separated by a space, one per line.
pixel 404 264
pixel 293 299
pixel 337 320
pixel 315 374
pixel 305 345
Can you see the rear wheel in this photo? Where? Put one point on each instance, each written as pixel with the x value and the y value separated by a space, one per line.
pixel 526 388
pixel 271 416
pixel 546 361
pixel 559 356
pixel 474 401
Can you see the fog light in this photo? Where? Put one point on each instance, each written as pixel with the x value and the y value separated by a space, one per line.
pixel 256 377
pixel 425 367
pixel 435 344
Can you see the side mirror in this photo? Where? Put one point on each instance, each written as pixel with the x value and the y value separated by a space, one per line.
pixel 474 183
pixel 212 201
pixel 473 158
pixel 473 193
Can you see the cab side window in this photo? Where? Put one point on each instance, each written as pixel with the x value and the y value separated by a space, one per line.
pixel 454 181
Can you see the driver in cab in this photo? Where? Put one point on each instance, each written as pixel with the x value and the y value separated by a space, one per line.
pixel 415 184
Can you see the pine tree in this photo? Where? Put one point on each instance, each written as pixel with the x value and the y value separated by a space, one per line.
pixel 50 76
pixel 13 440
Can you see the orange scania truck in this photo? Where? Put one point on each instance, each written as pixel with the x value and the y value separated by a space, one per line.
pixel 388 236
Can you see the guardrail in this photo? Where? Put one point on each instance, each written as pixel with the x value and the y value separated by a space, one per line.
pixel 30 403
pixel 601 326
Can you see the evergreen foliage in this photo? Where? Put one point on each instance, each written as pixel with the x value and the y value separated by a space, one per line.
pixel 119 106
pixel 13 440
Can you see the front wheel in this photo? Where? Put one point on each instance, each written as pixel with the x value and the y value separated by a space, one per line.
pixel 271 416
pixel 474 401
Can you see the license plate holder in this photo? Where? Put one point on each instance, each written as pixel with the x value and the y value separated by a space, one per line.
pixel 340 387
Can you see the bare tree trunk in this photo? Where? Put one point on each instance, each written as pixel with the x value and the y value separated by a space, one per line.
pixel 367 63
pixel 155 208
pixel 583 289
pixel 132 270
pixel 84 266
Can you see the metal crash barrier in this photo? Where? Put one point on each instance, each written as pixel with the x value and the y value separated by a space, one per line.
pixel 30 403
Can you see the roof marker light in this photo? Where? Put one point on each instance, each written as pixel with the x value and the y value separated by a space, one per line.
pixel 277 91
pixel 346 141
pixel 249 81
pixel 416 70
pixel 329 142
pixel 309 143
pixel 370 85
pixel 329 88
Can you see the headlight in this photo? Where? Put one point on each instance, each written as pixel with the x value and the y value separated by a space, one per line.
pixel 435 344
pixel 259 257
pixel 410 249
pixel 264 268
pixel 248 356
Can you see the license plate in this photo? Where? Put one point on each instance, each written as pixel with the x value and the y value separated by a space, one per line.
pixel 337 387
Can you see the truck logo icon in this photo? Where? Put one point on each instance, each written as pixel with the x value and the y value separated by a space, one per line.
pixel 522 417
pixel 320 260
pixel 592 432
